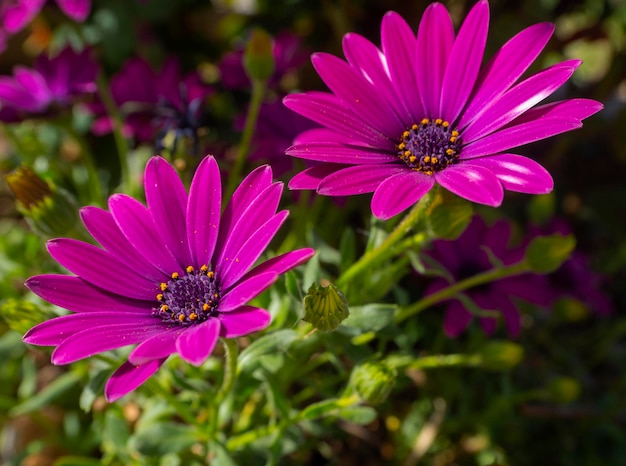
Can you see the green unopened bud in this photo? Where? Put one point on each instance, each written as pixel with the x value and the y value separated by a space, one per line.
pixel 21 315
pixel 373 381
pixel 258 57
pixel 570 309
pixel 545 254
pixel 49 210
pixel 564 390
pixel 325 307
pixel 500 355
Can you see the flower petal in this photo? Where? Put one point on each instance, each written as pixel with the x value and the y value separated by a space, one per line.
pixel 203 211
pixel 159 346
pixel 474 183
pixel 245 290
pixel 75 294
pixel 99 268
pixel 568 109
pixel 399 192
pixel 340 153
pixel 128 377
pixel 359 179
pixel 243 321
pixel 456 320
pixel 78 10
pixel 517 173
pixel 54 331
pixel 197 342
pixel 505 68
pixel 167 202
pixel 282 263
pixel 312 177
pixel 99 339
pixel 465 59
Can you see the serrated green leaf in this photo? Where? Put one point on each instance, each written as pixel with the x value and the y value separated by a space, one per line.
pixel 545 254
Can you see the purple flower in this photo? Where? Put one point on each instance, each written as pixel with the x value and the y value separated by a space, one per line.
pixel 421 111
pixel 16 14
pixel 471 254
pixel 54 82
pixel 152 102
pixel 173 276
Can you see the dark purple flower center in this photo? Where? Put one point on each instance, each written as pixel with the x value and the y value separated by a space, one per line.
pixel 429 146
pixel 188 299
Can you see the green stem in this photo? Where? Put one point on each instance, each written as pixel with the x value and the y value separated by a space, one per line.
pixel 402 362
pixel 450 291
pixel 95 186
pixel 118 133
pixel 258 91
pixel 231 351
pixel 386 248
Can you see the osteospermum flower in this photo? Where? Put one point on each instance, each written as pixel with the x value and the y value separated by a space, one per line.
pixel 421 111
pixel 472 253
pixel 173 276
pixel 16 14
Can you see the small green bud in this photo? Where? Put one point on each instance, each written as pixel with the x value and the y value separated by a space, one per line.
pixel 570 309
pixel 564 390
pixel 258 56
pixel 49 210
pixel 500 355
pixel 373 381
pixel 325 307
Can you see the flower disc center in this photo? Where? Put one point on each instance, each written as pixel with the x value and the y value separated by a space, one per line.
pixel 188 299
pixel 429 146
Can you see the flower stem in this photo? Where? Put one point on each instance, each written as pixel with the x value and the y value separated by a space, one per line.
pixel 258 91
pixel 231 349
pixel 450 291
pixel 386 248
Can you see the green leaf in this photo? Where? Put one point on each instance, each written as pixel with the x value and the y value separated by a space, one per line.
pixel 160 439
pixel 347 248
pixel 58 387
pixel 358 414
pixel 76 461
pixel 370 317
pixel 274 342
pixel 93 389
pixel 449 217
pixel 326 407
pixel 545 254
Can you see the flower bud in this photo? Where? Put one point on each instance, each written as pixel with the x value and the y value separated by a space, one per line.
pixel 325 307
pixel 373 381
pixel 500 355
pixel 258 57
pixel 49 210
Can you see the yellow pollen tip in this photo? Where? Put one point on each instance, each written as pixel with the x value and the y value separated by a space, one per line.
pixel 412 158
pixel 175 275
pixel 163 286
pixel 216 296
pixel 193 316
pixel 424 121
pixel 181 317
pixel 438 121
pixel 453 139
pixel 189 269
pixel 434 160
pixel 427 159
pixel 204 268
pixel 407 153
pixel 206 307
pixel 445 124
pixel 160 297
pixel 210 274
pixel 428 172
pixel 165 308
pixel 414 127
pixel 405 135
pixel 401 146
pixel 450 151
pixel 455 133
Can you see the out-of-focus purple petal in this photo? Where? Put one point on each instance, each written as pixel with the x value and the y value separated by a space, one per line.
pixel 99 268
pixel 359 179
pixel 464 63
pixel 398 44
pixel 75 294
pixel 243 321
pixel 327 110
pixel 104 338
pixel 474 183
pixel 157 347
pixel 517 173
pixel 312 177
pixel 283 263
pixel 203 211
pixel 196 343
pixel 136 223
pixel 78 10
pixel 340 153
pixel 128 377
pixel 435 39
pixel 52 332
pixel 399 192
pixel 456 319
pixel 167 201
pixel 518 135
pixel 519 99
pixel 505 68
pixel 245 290
pixel 18 16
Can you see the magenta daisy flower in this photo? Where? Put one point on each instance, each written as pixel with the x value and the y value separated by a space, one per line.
pixel 171 277
pixel 421 111
pixel 18 13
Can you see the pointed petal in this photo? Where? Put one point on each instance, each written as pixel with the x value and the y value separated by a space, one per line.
pixel 54 331
pixel 340 153
pixel 474 183
pixel 506 67
pixel 312 177
pixel 203 211
pixel 159 346
pixel 134 220
pixel 196 343
pixel 283 263
pixel 99 268
pixel 358 94
pixel 167 201
pixel 399 192
pixel 465 59
pixel 245 290
pixel 359 179
pixel 567 109
pixel 517 173
pixel 399 44
pixel 243 321
pixel 78 10
pixel 435 39
pixel 99 339
pixel 128 377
